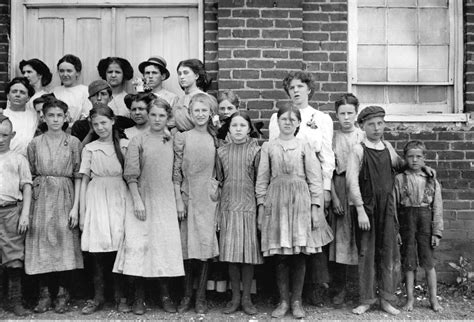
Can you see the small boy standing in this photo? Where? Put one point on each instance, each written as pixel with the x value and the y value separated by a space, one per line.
pixel 15 186
pixel 420 214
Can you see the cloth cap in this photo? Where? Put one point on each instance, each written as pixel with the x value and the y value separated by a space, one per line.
pixel 370 112
pixel 97 86
pixel 158 61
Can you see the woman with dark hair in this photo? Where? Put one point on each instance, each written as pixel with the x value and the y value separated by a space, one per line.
pixel 193 79
pixel 38 74
pixel 139 106
pixel 23 117
pixel 116 71
pixel 75 95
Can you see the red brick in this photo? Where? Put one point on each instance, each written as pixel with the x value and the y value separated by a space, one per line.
pixel 232 64
pixel 223 54
pixel 296 34
pixel 289 64
pixel 230 84
pixel 462 145
pixel 279 33
pixel 334 87
pixel 338 57
pixel 245 13
pixel 247 94
pixel 457 205
pixel 315 36
pixel 246 53
pixel 261 64
pixel 231 23
pixel 290 24
pixel 338 36
pixel 315 56
pixel 260 23
pixel 245 74
pixel 312 26
pixel 338 16
pixel 264 84
pixel 274 74
pixel 245 33
pixel 289 44
pixel 231 43
pixel 296 54
pixel 274 54
pixel 274 13
pixel 451 155
pixel 259 105
pixel 311 16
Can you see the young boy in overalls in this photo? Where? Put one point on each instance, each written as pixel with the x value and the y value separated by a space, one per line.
pixel 15 186
pixel 370 176
pixel 420 213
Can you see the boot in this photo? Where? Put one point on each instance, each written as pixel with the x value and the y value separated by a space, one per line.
pixel 139 307
pixel 98 301
pixel 201 304
pixel 185 303
pixel 297 281
pixel 166 301
pixel 61 300
pixel 120 300
pixel 44 303
pixel 282 272
pixel 14 292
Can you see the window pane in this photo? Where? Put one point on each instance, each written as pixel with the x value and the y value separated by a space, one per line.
pixel 401 94
pixel 371 63
pixel 401 3
pixel 371 3
pixel 433 62
pixel 434 26
pixel 433 94
pixel 432 3
pixel 402 63
pixel 370 94
pixel 371 29
pixel 402 26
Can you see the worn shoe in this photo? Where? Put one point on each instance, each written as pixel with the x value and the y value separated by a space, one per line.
pixel 19 310
pixel 201 307
pixel 184 305
pixel 248 307
pixel 168 304
pixel 44 304
pixel 61 301
pixel 91 307
pixel 297 310
pixel 139 307
pixel 122 306
pixel 339 298
pixel 281 310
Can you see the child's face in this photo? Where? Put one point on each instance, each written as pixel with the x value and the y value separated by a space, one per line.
pixel 288 122
pixel 200 114
pixel 186 77
pixel 102 125
pixel 226 109
pixel 39 110
pixel 68 74
pixel 346 115
pixel 114 75
pixel 101 96
pixel 239 129
pixel 153 76
pixel 374 128
pixel 138 112
pixel 415 159
pixel 6 135
pixel 54 119
pixel 158 118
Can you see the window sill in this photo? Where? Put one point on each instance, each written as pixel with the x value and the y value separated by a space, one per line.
pixel 428 118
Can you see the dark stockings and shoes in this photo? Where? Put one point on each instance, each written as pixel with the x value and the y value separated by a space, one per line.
pixel 202 267
pixel 236 273
pixel 54 287
pixel 14 291
pixel 339 282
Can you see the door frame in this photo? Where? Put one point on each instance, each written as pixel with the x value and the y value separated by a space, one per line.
pixel 19 13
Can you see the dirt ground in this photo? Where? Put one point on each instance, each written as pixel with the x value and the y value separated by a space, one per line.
pixel 454 308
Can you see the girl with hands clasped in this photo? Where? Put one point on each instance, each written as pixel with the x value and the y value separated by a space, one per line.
pixel 105 201
pixel 196 197
pixel 152 245
pixel 239 245
pixel 290 215
pixel 52 246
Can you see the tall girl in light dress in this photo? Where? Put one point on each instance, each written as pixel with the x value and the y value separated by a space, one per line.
pixel 289 193
pixel 152 244
pixel 52 247
pixel 239 244
pixel 105 201
pixel 196 197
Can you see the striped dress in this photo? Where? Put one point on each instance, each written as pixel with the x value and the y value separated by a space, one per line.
pixel 237 169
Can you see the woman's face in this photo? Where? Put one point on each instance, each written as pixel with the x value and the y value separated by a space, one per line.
pixel 226 109
pixel 186 77
pixel 54 119
pixel 114 75
pixel 18 95
pixel 103 126
pixel 200 114
pixel 299 92
pixel 138 112
pixel 32 76
pixel 288 122
pixel 158 118
pixel 68 74
pixel 239 129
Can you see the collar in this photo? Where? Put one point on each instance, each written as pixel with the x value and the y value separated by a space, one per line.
pixel 421 173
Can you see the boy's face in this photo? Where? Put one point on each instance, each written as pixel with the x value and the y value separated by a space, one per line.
pixel 374 128
pixel 346 115
pixel 102 96
pixel 6 135
pixel 415 159
pixel 153 76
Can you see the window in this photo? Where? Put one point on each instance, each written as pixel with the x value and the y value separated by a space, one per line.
pixel 406 55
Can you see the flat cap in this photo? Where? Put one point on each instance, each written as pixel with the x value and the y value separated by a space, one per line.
pixel 370 112
pixel 97 86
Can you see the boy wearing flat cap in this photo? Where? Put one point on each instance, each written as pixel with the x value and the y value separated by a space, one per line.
pixel 155 73
pixel 370 179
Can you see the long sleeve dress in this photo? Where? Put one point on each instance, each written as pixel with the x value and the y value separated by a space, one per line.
pixel 193 170
pixel 237 166
pixel 289 181
pixel 50 245
pixel 151 248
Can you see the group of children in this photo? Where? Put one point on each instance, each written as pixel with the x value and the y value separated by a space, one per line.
pixel 149 206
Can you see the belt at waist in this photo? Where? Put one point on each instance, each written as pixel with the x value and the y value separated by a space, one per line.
pixel 8 204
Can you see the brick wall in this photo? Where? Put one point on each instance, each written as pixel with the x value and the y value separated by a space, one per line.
pixel 4 47
pixel 210 42
pixel 469 55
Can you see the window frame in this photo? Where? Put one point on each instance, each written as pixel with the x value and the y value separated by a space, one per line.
pixel 457 50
